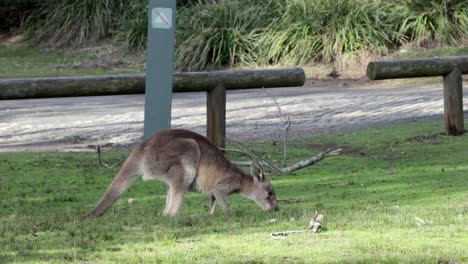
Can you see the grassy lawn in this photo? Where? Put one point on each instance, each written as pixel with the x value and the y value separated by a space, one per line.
pixel 17 61
pixel 397 194
pixel 20 61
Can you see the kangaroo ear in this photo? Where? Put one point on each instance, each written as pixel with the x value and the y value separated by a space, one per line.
pixel 257 171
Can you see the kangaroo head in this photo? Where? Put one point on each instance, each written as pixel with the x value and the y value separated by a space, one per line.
pixel 262 192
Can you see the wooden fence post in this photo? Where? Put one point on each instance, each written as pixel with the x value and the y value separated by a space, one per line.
pixel 453 103
pixel 451 68
pixel 216 116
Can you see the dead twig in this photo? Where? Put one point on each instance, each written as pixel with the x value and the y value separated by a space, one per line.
pixel 282 234
pixel 287 121
pixel 311 160
pixel 254 155
pixel 101 163
pixel 314 226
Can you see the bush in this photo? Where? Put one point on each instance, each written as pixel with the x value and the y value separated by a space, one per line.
pixel 213 34
pixel 321 29
pixel 436 22
pixel 224 33
pixel 134 27
pixel 74 22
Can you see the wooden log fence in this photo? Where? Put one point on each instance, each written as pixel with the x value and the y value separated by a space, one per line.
pixel 450 68
pixel 214 83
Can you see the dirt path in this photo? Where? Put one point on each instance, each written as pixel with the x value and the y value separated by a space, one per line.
pixel 76 123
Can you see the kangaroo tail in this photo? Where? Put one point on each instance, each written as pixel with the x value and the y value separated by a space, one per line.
pixel 122 181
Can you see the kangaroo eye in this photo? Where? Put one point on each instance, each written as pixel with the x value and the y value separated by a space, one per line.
pixel 270 194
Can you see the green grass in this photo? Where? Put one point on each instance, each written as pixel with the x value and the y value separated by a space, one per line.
pixel 371 196
pixel 19 61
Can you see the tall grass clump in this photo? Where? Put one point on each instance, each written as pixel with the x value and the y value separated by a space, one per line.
pixel 74 22
pixel 436 22
pixel 133 30
pixel 217 33
pixel 324 30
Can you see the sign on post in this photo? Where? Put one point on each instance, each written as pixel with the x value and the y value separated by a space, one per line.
pixel 159 65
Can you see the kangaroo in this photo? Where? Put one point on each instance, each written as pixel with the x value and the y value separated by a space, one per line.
pixel 185 160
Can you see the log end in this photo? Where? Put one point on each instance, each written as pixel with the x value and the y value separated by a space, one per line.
pixel 371 75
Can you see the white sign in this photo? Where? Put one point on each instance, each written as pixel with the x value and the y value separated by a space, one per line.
pixel 161 17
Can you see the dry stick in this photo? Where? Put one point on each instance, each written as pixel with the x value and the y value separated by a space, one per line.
pixel 282 170
pixel 288 125
pixel 281 235
pixel 310 161
pixel 253 154
pixel 102 163
pixel 285 142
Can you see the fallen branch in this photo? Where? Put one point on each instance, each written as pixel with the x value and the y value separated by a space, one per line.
pixel 311 160
pixel 301 164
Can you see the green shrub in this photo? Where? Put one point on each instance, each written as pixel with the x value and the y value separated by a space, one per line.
pixel 74 22
pixel 219 33
pixel 322 29
pixel 223 33
pixel 440 22
pixel 134 27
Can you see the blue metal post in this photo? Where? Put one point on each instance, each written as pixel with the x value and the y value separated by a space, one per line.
pixel 159 65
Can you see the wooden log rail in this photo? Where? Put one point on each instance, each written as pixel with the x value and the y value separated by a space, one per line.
pixel 451 68
pixel 214 83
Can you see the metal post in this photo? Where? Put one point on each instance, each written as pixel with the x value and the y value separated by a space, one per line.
pixel 159 65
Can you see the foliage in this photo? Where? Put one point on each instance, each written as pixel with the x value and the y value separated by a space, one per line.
pixel 444 22
pixel 134 27
pixel 74 22
pixel 387 198
pixel 318 29
pixel 218 33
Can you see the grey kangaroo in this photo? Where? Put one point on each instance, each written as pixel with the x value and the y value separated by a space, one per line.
pixel 186 161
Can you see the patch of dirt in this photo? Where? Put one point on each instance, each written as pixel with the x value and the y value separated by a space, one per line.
pixel 100 63
pixel 10 39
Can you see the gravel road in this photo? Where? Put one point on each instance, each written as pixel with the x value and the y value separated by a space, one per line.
pixel 318 107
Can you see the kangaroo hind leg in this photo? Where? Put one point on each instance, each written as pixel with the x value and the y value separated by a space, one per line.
pixel 122 181
pixel 181 176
